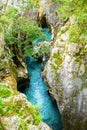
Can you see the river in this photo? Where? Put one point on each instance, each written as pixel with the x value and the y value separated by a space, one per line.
pixel 37 92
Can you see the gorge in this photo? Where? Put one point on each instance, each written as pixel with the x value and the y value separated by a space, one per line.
pixel 37 92
pixel 50 70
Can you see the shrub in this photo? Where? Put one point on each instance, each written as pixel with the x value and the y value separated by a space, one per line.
pixel 77 9
pixel 4 91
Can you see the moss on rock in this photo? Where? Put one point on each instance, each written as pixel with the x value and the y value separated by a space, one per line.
pixel 16 111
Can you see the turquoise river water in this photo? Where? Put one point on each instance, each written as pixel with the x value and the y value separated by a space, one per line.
pixel 37 92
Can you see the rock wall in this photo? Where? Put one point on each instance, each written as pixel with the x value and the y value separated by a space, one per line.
pixel 47 15
pixel 16 113
pixel 48 9
pixel 8 73
pixel 66 75
pixel 12 70
pixel 65 71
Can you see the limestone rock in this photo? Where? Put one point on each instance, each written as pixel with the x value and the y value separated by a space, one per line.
pixel 42 126
pixel 12 122
pixel 20 114
pixel 47 15
pixel 8 73
pixel 10 81
pixel 1 44
pixel 48 8
pixel 66 75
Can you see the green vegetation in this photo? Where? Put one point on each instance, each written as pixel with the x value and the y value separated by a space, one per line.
pixel 10 106
pixel 77 10
pixel 22 32
pixel 58 60
pixel 73 14
pixel 30 3
pixel 4 91
pixel 43 50
pixel 56 63
pixel 7 18
pixel 1 106
pixel 19 32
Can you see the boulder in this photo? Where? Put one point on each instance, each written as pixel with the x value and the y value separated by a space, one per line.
pixel 19 113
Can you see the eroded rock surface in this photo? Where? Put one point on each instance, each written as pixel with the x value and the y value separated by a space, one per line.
pixel 66 75
pixel 18 113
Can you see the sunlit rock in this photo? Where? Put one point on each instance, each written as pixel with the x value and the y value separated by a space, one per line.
pixel 1 44
pixel 20 113
pixel 66 75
